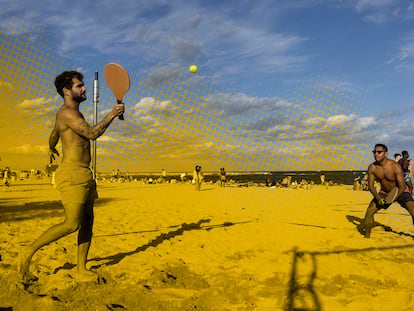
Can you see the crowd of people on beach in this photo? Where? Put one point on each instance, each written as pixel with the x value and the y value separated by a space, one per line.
pixel 197 178
pixel 7 175
pixel 221 179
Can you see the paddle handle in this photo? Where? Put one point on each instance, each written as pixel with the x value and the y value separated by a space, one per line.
pixel 120 117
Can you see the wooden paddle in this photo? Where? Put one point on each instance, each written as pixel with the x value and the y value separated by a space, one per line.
pixel 391 196
pixel 117 79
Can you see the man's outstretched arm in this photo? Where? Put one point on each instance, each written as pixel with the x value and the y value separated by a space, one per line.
pixel 78 124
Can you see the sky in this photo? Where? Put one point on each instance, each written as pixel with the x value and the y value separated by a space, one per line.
pixel 281 84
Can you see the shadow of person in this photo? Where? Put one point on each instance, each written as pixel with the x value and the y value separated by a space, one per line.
pixel 66 266
pixel 360 225
pixel 114 259
pixel 302 295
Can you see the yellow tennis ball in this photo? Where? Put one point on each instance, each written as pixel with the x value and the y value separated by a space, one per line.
pixel 193 68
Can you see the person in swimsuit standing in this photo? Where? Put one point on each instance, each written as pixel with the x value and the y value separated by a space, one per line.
pixel 74 178
pixel 389 174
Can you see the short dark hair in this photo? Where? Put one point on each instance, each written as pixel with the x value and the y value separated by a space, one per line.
pixel 382 146
pixel 396 155
pixel 65 79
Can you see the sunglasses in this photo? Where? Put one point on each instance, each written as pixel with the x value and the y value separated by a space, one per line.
pixel 377 151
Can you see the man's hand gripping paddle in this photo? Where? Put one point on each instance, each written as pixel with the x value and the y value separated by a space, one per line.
pixel 391 196
pixel 117 79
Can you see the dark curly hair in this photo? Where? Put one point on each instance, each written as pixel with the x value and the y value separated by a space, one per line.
pixel 65 79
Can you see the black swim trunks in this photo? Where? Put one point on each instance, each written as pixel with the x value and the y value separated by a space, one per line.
pixel 402 200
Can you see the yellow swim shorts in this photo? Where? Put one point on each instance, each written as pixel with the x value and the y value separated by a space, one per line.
pixel 75 183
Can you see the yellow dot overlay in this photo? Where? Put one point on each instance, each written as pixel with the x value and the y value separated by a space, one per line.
pixel 176 119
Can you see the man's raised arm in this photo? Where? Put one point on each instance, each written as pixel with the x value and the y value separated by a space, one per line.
pixel 77 123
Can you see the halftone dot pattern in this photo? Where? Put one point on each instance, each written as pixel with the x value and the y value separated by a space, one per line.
pixel 179 117
pixel 29 67
pixel 196 126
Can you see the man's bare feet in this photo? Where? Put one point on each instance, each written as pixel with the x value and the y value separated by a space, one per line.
pixel 86 276
pixel 23 266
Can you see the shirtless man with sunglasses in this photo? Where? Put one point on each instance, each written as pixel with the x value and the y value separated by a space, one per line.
pixel 389 174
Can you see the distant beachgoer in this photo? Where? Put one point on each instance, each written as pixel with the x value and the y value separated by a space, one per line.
pixel 303 184
pixel 322 177
pixel 404 162
pixel 286 182
pixel 6 179
pixel 183 176
pixel 397 157
pixel 389 174
pixel 197 177
pixel 74 178
pixel 411 170
pixel 222 177
pixel 357 183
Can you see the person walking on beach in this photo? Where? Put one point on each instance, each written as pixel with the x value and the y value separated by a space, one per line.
pixel 389 174
pixel 322 177
pixel 74 178
pixel 6 179
pixel 197 177
pixel 222 177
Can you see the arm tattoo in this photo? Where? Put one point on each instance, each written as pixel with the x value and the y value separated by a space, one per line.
pixel 93 132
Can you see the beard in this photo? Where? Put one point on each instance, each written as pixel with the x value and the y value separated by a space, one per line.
pixel 79 97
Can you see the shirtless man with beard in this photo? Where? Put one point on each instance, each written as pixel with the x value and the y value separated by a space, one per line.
pixel 74 178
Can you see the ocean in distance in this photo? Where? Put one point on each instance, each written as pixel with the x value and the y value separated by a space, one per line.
pixel 260 177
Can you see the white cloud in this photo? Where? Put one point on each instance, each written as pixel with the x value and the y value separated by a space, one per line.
pixel 339 120
pixel 6 85
pixel 149 107
pixel 383 11
pixel 154 29
pixel 107 138
pixel 30 149
pixel 41 106
pixel 364 5
pixel 403 58
pixel 366 122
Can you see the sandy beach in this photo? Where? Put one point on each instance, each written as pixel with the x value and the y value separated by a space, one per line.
pixel 169 247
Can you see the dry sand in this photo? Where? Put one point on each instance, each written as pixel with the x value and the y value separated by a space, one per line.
pixel 169 247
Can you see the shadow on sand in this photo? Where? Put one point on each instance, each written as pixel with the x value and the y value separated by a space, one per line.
pixel 40 209
pixel 302 295
pixel 359 223
pixel 114 259
pixel 31 210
